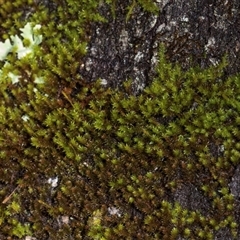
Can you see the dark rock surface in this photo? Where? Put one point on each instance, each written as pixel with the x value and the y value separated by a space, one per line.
pixel 194 33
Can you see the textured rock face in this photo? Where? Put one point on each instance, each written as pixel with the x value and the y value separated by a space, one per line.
pixel 122 49
pixel 194 33
pixel 191 198
pixel 235 184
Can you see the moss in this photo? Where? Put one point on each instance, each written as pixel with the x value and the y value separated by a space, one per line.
pixel 110 149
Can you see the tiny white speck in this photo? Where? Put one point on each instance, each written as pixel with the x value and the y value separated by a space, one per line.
pixel 30 238
pixel 221 148
pixel 25 118
pixel 104 82
pixel 185 19
pixel 53 182
pixel 65 219
pixel 39 80
pixel 161 27
pixel 114 211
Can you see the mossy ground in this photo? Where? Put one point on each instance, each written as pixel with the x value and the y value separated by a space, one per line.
pixel 110 149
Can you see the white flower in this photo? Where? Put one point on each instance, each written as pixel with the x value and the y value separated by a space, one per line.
pixel 20 49
pixel 14 78
pixel 5 48
pixel 16 46
pixel 27 33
